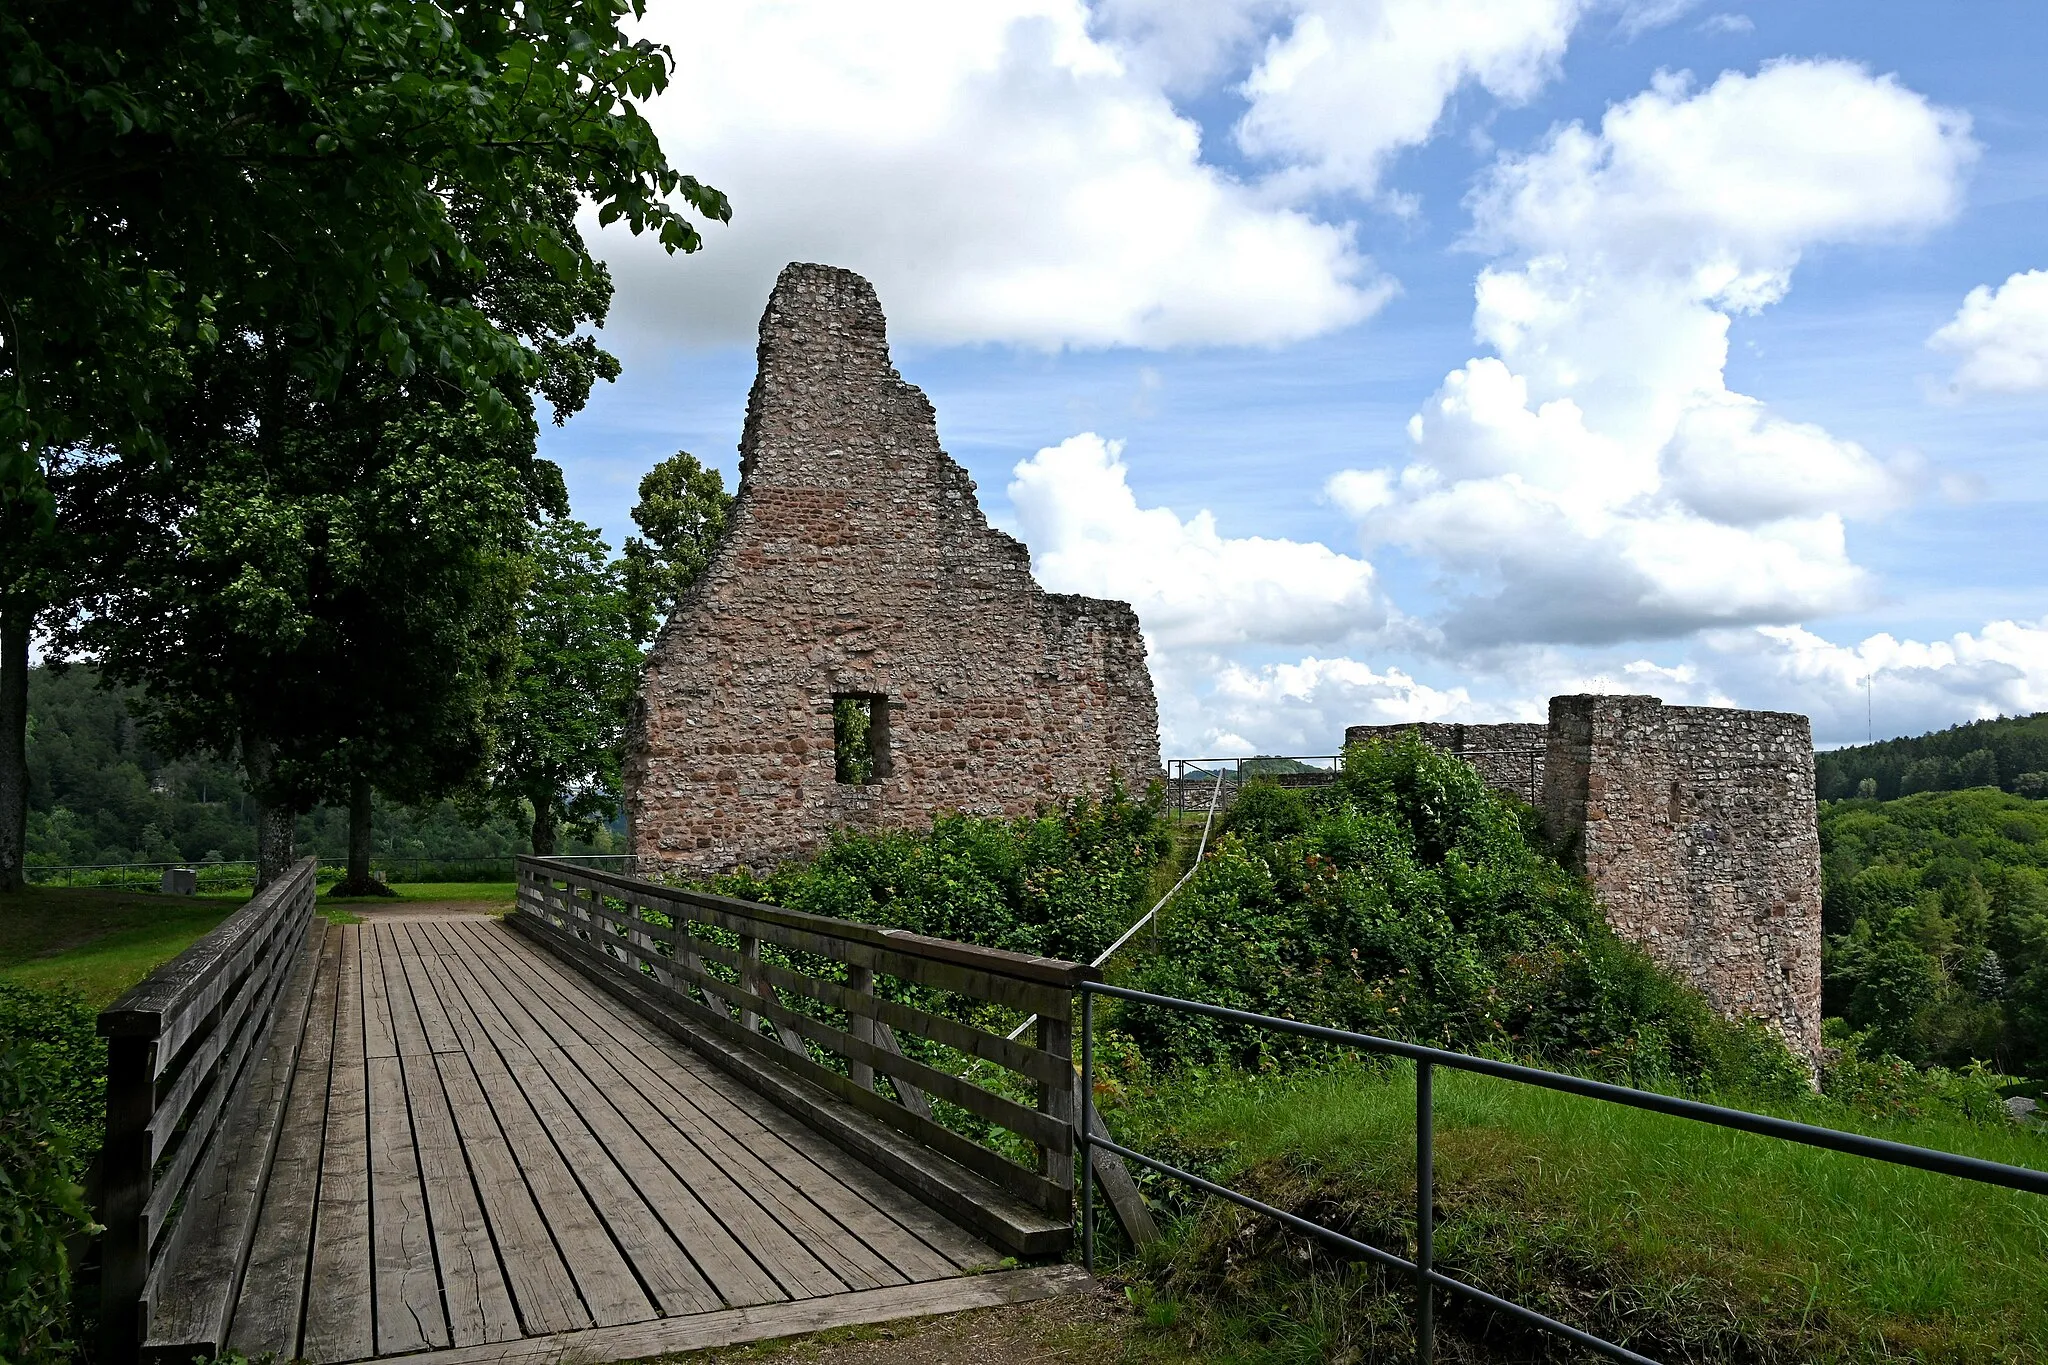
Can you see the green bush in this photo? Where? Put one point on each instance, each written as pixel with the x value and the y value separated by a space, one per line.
pixel 1063 882
pixel 53 1036
pixel 41 1206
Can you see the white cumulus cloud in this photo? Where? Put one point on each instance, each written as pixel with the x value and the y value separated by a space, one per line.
pixel 999 172
pixel 1349 85
pixel 2001 335
pixel 1595 479
pixel 1193 587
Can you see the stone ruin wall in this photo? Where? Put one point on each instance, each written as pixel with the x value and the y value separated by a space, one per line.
pixel 858 562
pixel 1509 756
pixel 1696 826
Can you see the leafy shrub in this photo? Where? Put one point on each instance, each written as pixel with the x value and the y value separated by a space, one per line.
pixel 1063 882
pixel 41 1205
pixel 1409 899
pixel 1858 1074
pixel 54 1038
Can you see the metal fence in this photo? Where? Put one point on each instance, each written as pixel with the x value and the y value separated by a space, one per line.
pixel 1428 1279
pixel 231 874
pixel 1194 784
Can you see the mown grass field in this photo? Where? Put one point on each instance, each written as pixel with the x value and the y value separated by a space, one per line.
pixel 101 942
pixel 1683 1241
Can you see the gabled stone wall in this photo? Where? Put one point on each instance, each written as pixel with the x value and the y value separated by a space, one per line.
pixel 1697 827
pixel 858 562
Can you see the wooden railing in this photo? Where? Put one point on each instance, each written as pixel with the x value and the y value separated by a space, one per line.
pixel 669 941
pixel 181 1048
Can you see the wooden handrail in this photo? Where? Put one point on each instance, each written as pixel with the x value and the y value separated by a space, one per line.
pixel 588 910
pixel 180 1048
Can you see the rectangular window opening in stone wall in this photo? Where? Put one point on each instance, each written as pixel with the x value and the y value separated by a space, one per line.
pixel 860 738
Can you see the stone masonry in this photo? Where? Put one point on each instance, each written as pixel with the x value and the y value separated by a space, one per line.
pixel 858 564
pixel 1696 826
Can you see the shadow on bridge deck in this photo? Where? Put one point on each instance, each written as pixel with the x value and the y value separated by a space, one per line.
pixel 480 1154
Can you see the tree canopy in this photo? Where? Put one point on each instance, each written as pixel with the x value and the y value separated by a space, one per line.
pixel 682 512
pixel 219 219
pixel 577 673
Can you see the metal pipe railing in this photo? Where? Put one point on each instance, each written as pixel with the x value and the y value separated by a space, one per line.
pixel 1427 1278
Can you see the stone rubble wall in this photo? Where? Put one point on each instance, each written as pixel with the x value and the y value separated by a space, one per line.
pixel 1697 827
pixel 1509 756
pixel 858 561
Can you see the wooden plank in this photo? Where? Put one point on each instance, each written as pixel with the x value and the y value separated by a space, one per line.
pixel 607 1283
pixel 957 1189
pixel 602 1155
pixel 409 1313
pixel 194 1145
pixel 266 1317
pixel 538 873
pixel 680 1214
pixel 740 1326
pixel 752 1139
pixel 339 1304
pixel 793 1026
pixel 891 951
pixel 911 1097
pixel 984 1162
pixel 543 1289
pixel 174 1001
pixel 248 1009
pixel 191 1302
pixel 472 1282
pixel 1056 1161
pixel 793 1240
pixel 989 1047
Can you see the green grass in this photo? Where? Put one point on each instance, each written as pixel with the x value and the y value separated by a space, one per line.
pixel 102 941
pixel 99 942
pixel 495 893
pixel 1684 1241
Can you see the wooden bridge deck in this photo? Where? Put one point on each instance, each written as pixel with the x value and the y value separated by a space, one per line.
pixel 478 1150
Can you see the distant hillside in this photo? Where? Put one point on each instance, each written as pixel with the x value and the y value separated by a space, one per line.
pixel 2008 753
pixel 100 791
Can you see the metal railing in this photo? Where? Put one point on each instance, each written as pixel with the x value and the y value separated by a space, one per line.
pixel 1428 1279
pixel 242 871
pixel 1194 785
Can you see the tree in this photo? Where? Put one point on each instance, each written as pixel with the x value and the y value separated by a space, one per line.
pixel 572 689
pixel 683 511
pixel 196 187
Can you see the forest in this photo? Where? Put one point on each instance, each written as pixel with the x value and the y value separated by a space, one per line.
pixel 2010 753
pixel 1935 907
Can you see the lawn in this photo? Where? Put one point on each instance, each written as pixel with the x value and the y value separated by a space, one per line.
pixel 496 894
pixel 99 942
pixel 1686 1242
pixel 102 941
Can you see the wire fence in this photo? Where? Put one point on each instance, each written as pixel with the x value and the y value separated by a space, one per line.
pixel 1428 1279
pixel 1198 785
pixel 234 874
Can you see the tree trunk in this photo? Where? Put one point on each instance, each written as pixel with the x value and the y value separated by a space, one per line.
pixel 358 882
pixel 276 822
pixel 14 631
pixel 544 825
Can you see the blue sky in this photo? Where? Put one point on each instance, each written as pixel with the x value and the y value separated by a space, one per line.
pixel 1195 290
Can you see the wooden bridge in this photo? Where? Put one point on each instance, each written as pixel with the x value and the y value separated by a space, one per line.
pixel 608 1126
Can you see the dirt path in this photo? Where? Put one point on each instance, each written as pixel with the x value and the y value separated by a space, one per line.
pixel 1096 1328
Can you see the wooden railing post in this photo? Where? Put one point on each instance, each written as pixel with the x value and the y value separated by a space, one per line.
pixel 1057 1101
pixel 750 984
pixel 861 981
pixel 125 1167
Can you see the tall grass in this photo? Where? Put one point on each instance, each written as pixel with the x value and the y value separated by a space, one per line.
pixel 1688 1242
